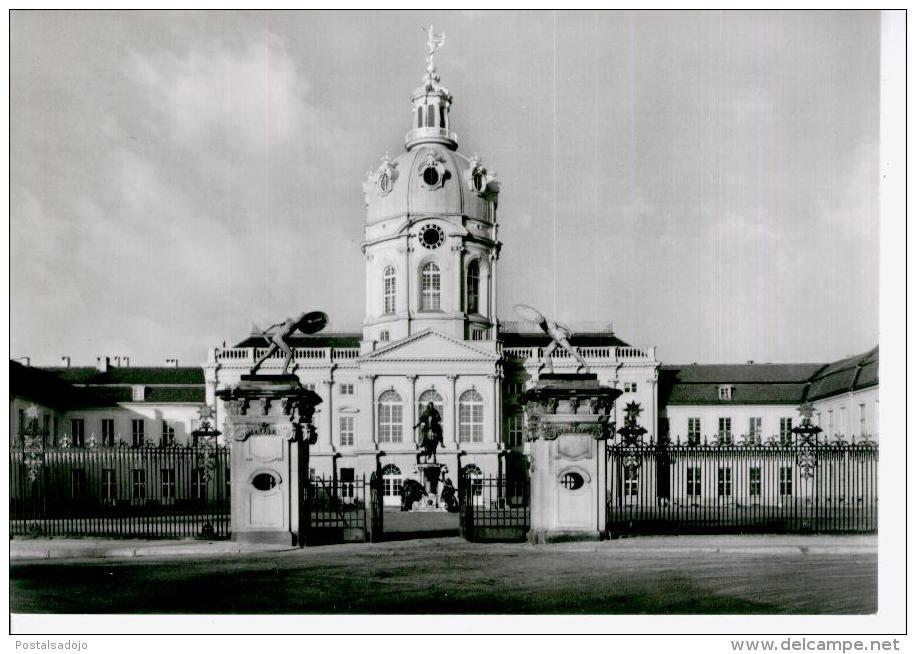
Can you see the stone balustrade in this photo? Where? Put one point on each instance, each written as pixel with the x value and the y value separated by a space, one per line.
pixel 606 353
pixel 248 355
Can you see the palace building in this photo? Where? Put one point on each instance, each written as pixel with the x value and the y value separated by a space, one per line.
pixel 431 334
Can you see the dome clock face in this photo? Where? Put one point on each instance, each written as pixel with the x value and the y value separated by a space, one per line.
pixel 432 237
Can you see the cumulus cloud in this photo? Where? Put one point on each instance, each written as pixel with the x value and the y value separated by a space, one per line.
pixel 249 98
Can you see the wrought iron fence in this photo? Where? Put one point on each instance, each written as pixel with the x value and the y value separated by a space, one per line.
pixel 146 492
pixel 828 488
pixel 337 510
pixel 494 508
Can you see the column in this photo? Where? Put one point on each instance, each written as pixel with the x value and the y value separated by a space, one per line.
pixel 372 429
pixel 492 294
pixel 452 379
pixel 458 279
pixel 652 389
pixel 495 380
pixel 327 442
pixel 412 412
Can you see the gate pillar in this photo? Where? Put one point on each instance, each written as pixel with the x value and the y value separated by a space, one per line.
pixel 568 421
pixel 269 427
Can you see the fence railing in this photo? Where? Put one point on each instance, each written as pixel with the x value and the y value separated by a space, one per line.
pixel 146 492
pixel 494 508
pixel 830 488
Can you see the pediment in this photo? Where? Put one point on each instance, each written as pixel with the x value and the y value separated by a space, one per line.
pixel 428 345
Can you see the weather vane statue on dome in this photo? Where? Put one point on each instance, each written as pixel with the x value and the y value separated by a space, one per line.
pixel 433 42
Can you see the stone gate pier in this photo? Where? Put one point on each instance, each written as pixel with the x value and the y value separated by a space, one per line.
pixel 569 418
pixel 269 427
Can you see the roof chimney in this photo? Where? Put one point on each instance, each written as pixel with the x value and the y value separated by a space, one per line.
pixel 126 362
pixel 66 361
pixel 102 363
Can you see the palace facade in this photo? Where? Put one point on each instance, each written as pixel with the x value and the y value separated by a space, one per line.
pixel 431 334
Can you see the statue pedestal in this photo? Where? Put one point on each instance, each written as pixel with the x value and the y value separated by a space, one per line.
pixel 430 474
pixel 569 417
pixel 269 427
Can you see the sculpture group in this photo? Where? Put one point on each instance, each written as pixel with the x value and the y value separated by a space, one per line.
pixel 558 333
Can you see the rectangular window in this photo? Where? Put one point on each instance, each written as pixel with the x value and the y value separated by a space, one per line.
pixel 470 422
pixel 78 432
pixel 515 390
pixel 108 437
pixel 137 429
pixel 346 431
pixel 109 488
pixel 198 484
pixel 841 426
pixel 725 431
pixel 22 424
pixel 347 478
pixel 78 483
pixel 694 426
pixel 514 424
pixel 168 432
pixel 694 482
pixel 138 484
pixel 384 336
pixel 861 419
pixel 629 387
pixel 754 429
pixel 725 392
pixel 725 482
pixel 631 481
pixel 167 483
pixel 390 419
pixel 785 431
pixel 754 482
pixel 785 480
pixel 45 428
pixel 309 387
pixel 830 422
pixel 347 389
pixel 55 430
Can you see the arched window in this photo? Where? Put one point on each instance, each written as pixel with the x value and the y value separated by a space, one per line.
pixel 430 287
pixel 430 116
pixel 470 417
pixel 429 396
pixel 473 287
pixel 389 288
pixel 390 417
pixel 473 474
pixel 391 485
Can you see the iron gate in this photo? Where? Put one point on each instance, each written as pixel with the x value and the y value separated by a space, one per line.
pixel 336 510
pixel 494 508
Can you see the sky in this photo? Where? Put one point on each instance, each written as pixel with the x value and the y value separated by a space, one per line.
pixel 705 181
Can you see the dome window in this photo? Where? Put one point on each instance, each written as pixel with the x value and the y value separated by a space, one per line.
pixel 431 176
pixel 431 171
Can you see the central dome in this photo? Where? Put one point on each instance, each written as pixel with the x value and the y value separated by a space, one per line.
pixel 430 179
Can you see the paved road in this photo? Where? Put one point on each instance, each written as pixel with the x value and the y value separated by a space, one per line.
pixel 452 576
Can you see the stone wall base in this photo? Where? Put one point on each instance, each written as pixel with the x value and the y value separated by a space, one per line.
pixel 545 536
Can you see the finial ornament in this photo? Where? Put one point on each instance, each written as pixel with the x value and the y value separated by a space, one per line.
pixel 433 42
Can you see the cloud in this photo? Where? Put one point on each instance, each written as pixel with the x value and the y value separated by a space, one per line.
pixel 251 98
